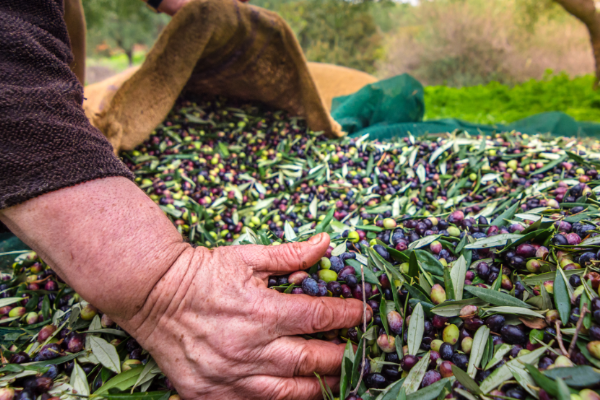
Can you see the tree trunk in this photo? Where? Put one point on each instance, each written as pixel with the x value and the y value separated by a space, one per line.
pixel 585 11
pixel 129 53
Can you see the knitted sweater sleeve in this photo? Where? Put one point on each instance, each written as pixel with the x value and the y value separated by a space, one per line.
pixel 46 141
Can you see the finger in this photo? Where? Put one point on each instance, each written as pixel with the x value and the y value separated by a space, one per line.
pixel 299 314
pixel 291 356
pixel 297 388
pixel 285 258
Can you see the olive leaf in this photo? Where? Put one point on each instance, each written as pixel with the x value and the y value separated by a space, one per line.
pixel 562 299
pixel 383 315
pixel 392 391
pixel 498 355
pixel 413 265
pixel 313 207
pixel 399 343
pixel 416 374
pixel 465 380
pixel 424 241
pixel 106 353
pixel 425 282
pixel 79 380
pixel 549 166
pixel 60 360
pixel 502 374
pixel 357 363
pixel 494 241
pixel 449 286
pixel 289 233
pixel 12 377
pixel 416 328
pixel 95 324
pixel 452 308
pixel 429 263
pixel 346 373
pixel 321 226
pixel 430 392
pixel 148 373
pixel 465 394
pixel 496 298
pixel 158 395
pixel 549 276
pixel 369 275
pixel 457 274
pixel 488 352
pixel 563 392
pixel 514 311
pixel 440 150
pixel 402 394
pixel 524 379
pixel 421 173
pixel 416 293
pixel 546 300
pixel 583 349
pixel 591 241
pixel 339 249
pixel 325 389
pixel 585 301
pixel 508 214
pixel 579 376
pixel 478 347
pixel 109 331
pixel 123 381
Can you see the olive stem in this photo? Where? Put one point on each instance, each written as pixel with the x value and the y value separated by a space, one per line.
pixel 584 311
pixel 364 350
pixel 559 339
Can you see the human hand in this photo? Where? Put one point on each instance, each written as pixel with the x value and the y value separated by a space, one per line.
pixel 206 316
pixel 218 332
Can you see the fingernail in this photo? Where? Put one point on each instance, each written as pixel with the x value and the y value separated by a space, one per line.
pixel 316 239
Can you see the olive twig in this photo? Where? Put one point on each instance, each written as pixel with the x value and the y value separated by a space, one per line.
pixel 559 339
pixel 364 350
pixel 584 311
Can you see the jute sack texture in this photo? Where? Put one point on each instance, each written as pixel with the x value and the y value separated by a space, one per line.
pixel 218 47
pixel 331 81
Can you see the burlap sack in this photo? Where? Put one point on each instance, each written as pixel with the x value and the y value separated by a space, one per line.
pixel 76 28
pixel 220 47
pixel 331 81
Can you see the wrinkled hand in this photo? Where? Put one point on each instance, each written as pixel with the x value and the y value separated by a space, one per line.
pixel 218 332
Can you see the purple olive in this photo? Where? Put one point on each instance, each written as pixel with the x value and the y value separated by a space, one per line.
pixel 408 362
pixel 75 342
pixel 526 250
pixel 376 381
pixel 512 334
pixel 310 287
pixel 430 378
pixel 495 322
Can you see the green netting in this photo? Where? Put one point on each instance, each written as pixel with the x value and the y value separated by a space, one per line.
pixel 394 107
pixel 12 245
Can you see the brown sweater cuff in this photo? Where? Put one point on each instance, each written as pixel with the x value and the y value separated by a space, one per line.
pixel 71 169
pixel 46 141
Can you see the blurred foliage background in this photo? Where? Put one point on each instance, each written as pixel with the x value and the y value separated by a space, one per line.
pixel 481 60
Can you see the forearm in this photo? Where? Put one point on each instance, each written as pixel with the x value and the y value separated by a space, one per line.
pixel 104 237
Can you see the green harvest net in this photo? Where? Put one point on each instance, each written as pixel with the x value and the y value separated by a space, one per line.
pixel 395 107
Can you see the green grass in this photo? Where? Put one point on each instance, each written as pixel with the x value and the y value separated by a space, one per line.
pixel 497 103
pixel 117 62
